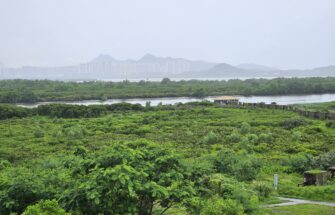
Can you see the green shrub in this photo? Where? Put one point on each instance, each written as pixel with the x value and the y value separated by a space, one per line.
pixel 245 128
pixel 263 189
pixel 330 124
pixel 265 138
pixel 325 160
pixel 211 138
pixel 234 137
pixel 81 151
pixel 214 206
pixel 246 169
pixel 296 136
pixel 4 164
pixel 243 167
pixel 299 163
pixel 45 207
pixel 38 134
pixel 11 111
pixel 217 205
pixel 293 123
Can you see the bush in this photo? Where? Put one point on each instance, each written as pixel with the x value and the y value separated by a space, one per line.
pixel 4 164
pixel 330 124
pixel 18 189
pixel 45 207
pixel 165 81
pixel 211 138
pixel 245 128
pixel 324 160
pixel 217 205
pixel 80 151
pixel 265 138
pixel 263 190
pixel 243 167
pixel 299 163
pixel 213 206
pixel 229 188
pixel 11 111
pixel 234 137
pixel 38 134
pixel 293 123
pixel 246 169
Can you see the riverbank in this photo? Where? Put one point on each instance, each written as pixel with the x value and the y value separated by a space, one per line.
pixel 27 91
pixel 281 100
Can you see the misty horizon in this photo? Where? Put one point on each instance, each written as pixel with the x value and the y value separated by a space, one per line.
pixel 282 34
pixel 163 57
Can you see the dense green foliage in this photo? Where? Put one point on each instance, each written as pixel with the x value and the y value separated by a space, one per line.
pixel 14 91
pixel 65 110
pixel 195 158
pixel 46 207
pixel 81 111
pixel 11 111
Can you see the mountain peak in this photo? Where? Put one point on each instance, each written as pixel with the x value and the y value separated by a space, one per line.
pixel 224 66
pixel 255 67
pixel 148 58
pixel 103 58
pixel 325 68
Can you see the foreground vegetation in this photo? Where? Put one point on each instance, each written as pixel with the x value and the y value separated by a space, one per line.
pixel 128 159
pixel 14 91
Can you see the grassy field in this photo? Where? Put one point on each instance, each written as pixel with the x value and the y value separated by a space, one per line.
pixel 302 210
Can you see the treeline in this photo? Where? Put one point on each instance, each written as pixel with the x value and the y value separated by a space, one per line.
pixel 11 111
pixel 65 110
pixel 16 91
pixel 81 111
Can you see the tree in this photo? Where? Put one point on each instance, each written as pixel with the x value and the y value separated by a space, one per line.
pixel 199 93
pixel 165 81
pixel 127 179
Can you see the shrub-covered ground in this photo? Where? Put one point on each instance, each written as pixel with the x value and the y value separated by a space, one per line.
pixel 324 107
pixel 196 160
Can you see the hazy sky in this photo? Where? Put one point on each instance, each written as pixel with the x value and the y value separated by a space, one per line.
pixel 280 33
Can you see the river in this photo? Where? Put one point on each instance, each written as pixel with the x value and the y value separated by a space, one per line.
pixel 282 100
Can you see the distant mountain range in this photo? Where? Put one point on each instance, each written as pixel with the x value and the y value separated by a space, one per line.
pixel 256 67
pixel 150 66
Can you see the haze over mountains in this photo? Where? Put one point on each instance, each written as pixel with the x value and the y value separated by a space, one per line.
pixel 150 66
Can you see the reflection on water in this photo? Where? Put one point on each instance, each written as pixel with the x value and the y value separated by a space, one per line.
pixel 283 100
